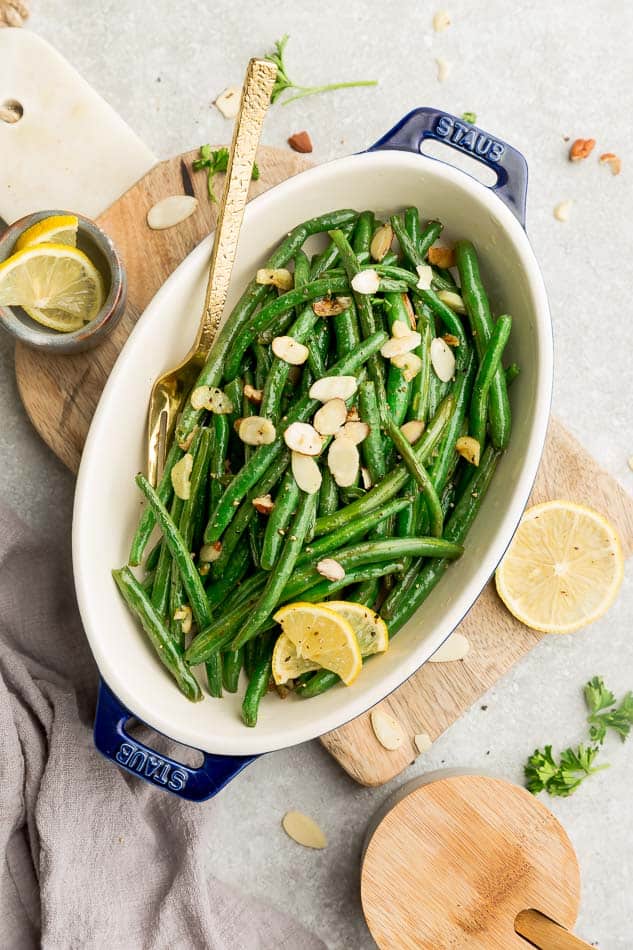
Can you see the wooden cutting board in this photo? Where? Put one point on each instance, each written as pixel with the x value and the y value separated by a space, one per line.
pixel 60 394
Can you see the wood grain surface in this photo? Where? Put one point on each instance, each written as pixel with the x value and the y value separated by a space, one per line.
pixel 454 862
pixel 60 394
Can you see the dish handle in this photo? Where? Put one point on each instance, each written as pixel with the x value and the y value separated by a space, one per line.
pixel 196 785
pixel 506 162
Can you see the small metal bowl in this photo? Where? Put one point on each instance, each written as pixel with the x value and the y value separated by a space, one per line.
pixel 96 244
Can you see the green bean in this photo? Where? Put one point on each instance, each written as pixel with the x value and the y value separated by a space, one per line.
pixel 512 372
pixel 213 667
pixel 279 327
pixel 302 270
pixel 415 253
pixel 419 404
pixel 211 372
pixel 221 431
pixel 353 531
pixel 148 581
pixel 365 573
pixel 262 364
pixel 443 279
pixel 277 580
pixel 418 473
pixel 200 449
pixel 398 389
pixel 318 683
pixel 217 636
pixel 148 520
pixel 481 324
pixel 278 375
pixel 151 561
pixel 160 590
pixel 232 662
pixel 286 501
pixel 219 590
pixel 372 448
pixel 245 513
pixel 180 554
pixel 366 593
pixel 361 238
pixel 257 688
pixel 328 493
pixel 391 484
pixel 277 308
pixel 346 331
pixel 317 349
pixel 446 454
pixel 266 454
pixel 487 369
pixel 160 638
pixel 412 225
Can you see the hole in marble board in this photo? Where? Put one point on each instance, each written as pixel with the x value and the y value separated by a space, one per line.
pixel 11 111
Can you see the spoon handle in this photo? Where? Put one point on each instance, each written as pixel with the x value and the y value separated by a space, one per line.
pixel 545 933
pixel 258 85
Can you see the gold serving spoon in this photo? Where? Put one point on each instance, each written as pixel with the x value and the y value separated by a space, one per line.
pixel 171 389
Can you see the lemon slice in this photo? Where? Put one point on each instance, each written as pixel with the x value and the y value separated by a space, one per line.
pixel 287 664
pixel 321 635
pixel 58 229
pixel 55 319
pixel 563 568
pixel 370 629
pixel 52 277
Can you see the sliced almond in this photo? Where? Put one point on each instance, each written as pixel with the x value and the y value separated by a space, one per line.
pixel 441 21
pixel 331 569
pixel 409 364
pixel 452 300
pixel 352 414
pixel 184 616
pixel 455 648
pixel 614 162
pixel 450 339
pixel 442 359
pixel 357 431
pixel 300 142
pixel 185 444
pixel 410 311
pixel 304 438
pixel 219 403
pixel 275 277
pixel 330 417
pixel 257 430
pixel 381 242
pixel 396 346
pixel 412 430
pixel 171 211
pixel 365 478
pixel 228 102
pixel 252 394
pixel 303 830
pixel 307 473
pixel 469 449
pixel 333 387
pixel 330 306
pixel 288 350
pixel 366 281
pixel 562 209
pixel 443 68
pixel 425 276
pixel 343 462
pixel 400 329
pixel 442 256
pixel 423 742
pixel 210 552
pixel 264 504
pixel 181 475
pixel 387 730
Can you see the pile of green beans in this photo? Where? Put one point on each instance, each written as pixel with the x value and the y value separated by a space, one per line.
pixel 241 538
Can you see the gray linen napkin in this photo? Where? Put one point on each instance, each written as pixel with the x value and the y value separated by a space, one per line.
pixel 93 857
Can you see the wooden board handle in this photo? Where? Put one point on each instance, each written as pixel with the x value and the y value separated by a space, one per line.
pixel 545 933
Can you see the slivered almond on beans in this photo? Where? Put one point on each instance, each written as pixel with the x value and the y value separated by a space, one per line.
pixel 381 242
pixel 442 360
pixel 352 415
pixel 219 403
pixel 184 616
pixel 331 569
pixel 277 277
pixel 442 256
pixel 181 475
pixel 453 300
pixel 396 346
pixel 412 430
pixel 256 430
pixel 365 478
pixel 330 306
pixel 400 329
pixel 306 472
pixel 469 449
pixel 356 431
pixel 409 364
pixel 252 394
pixel 304 438
pixel 287 349
pixel 200 397
pixel 333 387
pixel 366 281
pixel 410 311
pixel 450 339
pixel 425 276
pixel 263 504
pixel 210 552
pixel 343 462
pixel 330 417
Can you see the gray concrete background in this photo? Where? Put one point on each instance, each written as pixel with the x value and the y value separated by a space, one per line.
pixel 534 72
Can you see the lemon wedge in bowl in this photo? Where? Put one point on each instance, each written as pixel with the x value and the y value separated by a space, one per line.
pixel 320 636
pixel 563 569
pixel 57 285
pixel 56 229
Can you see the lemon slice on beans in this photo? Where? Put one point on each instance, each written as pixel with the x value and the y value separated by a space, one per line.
pixel 321 637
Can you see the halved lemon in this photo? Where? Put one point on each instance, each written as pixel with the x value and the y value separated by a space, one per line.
pixel 54 278
pixel 57 229
pixel 563 568
pixel 370 629
pixel 322 636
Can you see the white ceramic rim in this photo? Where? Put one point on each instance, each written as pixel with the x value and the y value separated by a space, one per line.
pixel 253 744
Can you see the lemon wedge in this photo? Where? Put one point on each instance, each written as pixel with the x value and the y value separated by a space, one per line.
pixel 323 637
pixel 370 629
pixel 563 568
pixel 57 285
pixel 57 229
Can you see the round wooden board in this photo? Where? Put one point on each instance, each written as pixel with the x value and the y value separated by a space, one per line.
pixel 60 393
pixel 454 861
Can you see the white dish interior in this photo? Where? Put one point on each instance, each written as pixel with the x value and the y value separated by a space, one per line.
pixel 107 503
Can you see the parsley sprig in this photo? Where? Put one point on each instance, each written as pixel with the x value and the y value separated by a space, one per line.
pixel 283 81
pixel 562 776
pixel 215 162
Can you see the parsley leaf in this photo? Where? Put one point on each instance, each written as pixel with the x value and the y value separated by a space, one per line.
pixel 561 778
pixel 470 117
pixel 215 162
pixel 597 696
pixel 283 80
